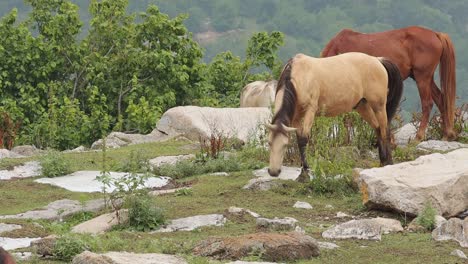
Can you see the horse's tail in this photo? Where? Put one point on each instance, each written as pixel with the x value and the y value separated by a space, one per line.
pixel 448 79
pixel 395 87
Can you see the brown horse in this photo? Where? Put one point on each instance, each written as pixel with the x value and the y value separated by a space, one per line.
pixel 332 86
pixel 417 51
pixel 5 257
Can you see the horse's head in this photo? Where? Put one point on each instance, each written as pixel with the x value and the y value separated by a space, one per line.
pixel 278 140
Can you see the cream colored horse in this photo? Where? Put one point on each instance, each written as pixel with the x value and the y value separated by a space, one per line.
pixel 258 94
pixel 332 86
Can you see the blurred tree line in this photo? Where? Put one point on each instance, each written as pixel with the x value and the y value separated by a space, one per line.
pixel 62 86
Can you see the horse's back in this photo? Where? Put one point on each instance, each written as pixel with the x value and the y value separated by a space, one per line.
pixel 258 94
pixel 336 84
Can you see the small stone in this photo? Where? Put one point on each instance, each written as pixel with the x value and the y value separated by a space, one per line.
pixel 222 174
pixel 302 205
pixel 341 215
pixel 262 184
pixel 458 253
pixel 329 206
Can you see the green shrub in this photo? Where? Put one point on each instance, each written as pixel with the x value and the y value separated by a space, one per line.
pixel 54 164
pixel 68 246
pixel 143 214
pixel 426 218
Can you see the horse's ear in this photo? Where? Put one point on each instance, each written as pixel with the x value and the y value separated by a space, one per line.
pixel 272 127
pixel 289 129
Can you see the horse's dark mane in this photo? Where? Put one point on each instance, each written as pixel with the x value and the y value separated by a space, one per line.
pixel 286 112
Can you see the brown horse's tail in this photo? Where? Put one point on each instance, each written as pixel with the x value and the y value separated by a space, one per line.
pixel 448 81
pixel 5 257
pixel 395 88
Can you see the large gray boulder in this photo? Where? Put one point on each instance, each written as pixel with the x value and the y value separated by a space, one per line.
pixel 126 258
pixel 405 134
pixel 271 247
pixel 440 179
pixel 196 122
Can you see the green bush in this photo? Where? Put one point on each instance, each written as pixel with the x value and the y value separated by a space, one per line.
pixel 68 246
pixel 426 218
pixel 54 164
pixel 143 214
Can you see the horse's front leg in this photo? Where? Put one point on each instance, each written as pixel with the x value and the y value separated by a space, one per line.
pixel 303 136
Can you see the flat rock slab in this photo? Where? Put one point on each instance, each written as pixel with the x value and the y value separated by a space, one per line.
pixel 271 247
pixel 302 205
pixel 27 170
pixel 60 209
pixel 101 223
pixel 126 258
pixel 169 160
pixel 119 139
pixel 8 227
pixel 287 173
pixel 262 184
pixel 454 229
pixel 15 243
pixel 85 181
pixel 438 145
pixel 193 222
pixel 241 211
pixel 441 179
pixel 194 122
pixel 366 229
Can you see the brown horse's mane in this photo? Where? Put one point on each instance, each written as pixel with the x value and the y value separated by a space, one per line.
pixel 288 106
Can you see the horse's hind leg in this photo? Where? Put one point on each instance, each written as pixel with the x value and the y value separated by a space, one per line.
pixel 424 83
pixel 375 121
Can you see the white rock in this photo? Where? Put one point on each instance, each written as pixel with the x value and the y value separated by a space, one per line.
pixel 329 206
pixel 458 253
pixel 85 181
pixel 342 215
pixel 101 223
pixel 368 229
pixel 119 139
pixel 22 255
pixel 302 205
pixel 168 191
pixel 287 173
pixel 193 222
pixel 194 122
pixel 262 184
pixel 454 229
pixel 27 170
pixel 408 186
pixel 169 160
pixel 220 174
pixel 5 153
pixel 14 243
pixel 126 258
pixel 237 210
pixel 438 145
pixel 76 150
pixel 26 150
pixel 327 245
pixel 8 227
pixel 59 209
pixel 405 134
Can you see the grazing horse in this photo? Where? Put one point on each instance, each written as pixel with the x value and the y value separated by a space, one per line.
pixel 417 51
pixel 258 94
pixel 5 257
pixel 332 86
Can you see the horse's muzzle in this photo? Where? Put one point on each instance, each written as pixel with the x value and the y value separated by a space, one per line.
pixel 274 173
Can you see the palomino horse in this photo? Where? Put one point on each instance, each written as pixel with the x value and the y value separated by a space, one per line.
pixel 258 94
pixel 332 86
pixel 417 51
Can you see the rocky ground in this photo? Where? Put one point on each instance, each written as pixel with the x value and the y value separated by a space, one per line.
pixel 239 217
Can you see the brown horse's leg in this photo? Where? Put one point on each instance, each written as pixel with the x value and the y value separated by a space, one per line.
pixel 437 96
pixel 424 87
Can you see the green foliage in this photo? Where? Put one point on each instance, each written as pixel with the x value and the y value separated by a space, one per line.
pixel 68 246
pixel 143 214
pixel 426 217
pixel 141 116
pixel 54 164
pixel 184 192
